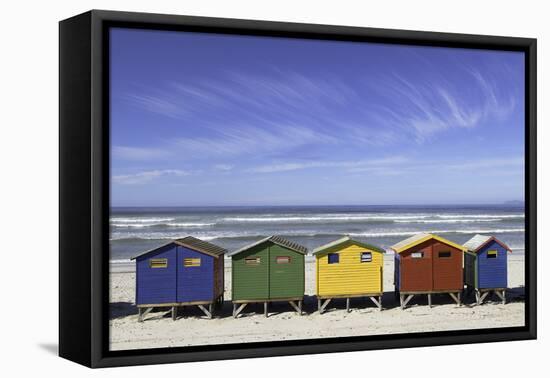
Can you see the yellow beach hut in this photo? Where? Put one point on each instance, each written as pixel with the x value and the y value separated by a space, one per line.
pixel 347 268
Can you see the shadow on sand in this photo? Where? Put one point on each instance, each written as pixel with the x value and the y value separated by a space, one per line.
pixel 389 301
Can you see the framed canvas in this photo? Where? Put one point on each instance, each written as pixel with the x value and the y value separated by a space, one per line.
pixel 235 188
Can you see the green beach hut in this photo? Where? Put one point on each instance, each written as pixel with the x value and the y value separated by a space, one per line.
pixel 269 270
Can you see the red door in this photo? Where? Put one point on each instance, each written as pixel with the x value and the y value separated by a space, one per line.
pixel 447 267
pixel 416 268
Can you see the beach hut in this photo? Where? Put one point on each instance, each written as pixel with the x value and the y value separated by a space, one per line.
pixel 269 270
pixel 183 272
pixel 428 264
pixel 486 267
pixel 347 268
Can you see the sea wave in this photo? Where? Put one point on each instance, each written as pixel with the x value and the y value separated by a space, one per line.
pixel 398 218
pixel 174 225
pixel 304 233
pixel 140 220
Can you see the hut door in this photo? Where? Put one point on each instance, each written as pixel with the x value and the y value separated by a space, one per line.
pixel 284 273
pixel 416 273
pixel 447 267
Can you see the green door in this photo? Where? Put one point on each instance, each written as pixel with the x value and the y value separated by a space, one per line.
pixel 286 273
pixel 250 274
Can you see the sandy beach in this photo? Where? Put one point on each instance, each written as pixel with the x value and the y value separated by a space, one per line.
pixel 192 328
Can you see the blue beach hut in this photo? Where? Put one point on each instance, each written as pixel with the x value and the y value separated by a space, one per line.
pixel 486 267
pixel 183 272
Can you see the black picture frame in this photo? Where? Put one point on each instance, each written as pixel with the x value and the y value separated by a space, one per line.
pixel 84 188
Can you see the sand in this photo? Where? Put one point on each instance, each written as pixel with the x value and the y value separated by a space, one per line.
pixel 192 328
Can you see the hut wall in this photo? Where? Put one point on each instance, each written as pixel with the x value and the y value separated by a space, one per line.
pixel 157 285
pixel 447 267
pixel 470 270
pixel 219 270
pixel 251 281
pixel 416 273
pixel 286 279
pixel 349 275
pixel 397 271
pixel 195 283
pixel 493 272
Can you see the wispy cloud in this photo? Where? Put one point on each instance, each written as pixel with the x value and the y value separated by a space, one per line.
pixel 138 153
pixel 401 165
pixel 224 167
pixel 287 109
pixel 352 166
pixel 147 176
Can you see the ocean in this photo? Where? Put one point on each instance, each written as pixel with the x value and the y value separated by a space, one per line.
pixel 136 229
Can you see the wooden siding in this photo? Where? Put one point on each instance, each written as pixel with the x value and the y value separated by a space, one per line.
pixel 470 270
pixel 431 272
pixel 350 276
pixel 267 280
pixel 416 274
pixel 251 281
pixel 157 285
pixel 195 283
pixel 447 271
pixel 492 273
pixel 219 272
pixel 285 280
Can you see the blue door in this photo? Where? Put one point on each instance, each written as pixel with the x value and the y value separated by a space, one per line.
pixel 195 276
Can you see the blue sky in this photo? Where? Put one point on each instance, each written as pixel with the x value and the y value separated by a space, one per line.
pixel 205 119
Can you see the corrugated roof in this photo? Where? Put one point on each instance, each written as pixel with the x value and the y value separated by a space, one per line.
pixel 191 243
pixel 343 240
pixel 274 239
pixel 478 241
pixel 414 240
pixel 201 246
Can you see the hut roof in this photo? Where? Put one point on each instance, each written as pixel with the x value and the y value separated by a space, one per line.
pixel 276 240
pixel 414 240
pixel 344 240
pixel 479 241
pixel 191 243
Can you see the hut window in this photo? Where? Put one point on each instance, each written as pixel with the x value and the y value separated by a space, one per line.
pixel 158 263
pixel 444 254
pixel 366 257
pixel 492 254
pixel 282 260
pixel 417 255
pixel 252 261
pixel 190 262
pixel 333 258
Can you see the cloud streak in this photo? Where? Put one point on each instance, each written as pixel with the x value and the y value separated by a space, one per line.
pixel 147 176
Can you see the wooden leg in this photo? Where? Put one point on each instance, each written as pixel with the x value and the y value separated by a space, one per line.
pixel 237 311
pixel 206 312
pixel 140 315
pixel 324 305
pixel 295 307
pixel 378 302
pixel 300 307
pixel 319 305
pixel 405 301
pixel 459 299
pixel 401 300
pixel 265 309
pixel 502 295
pixel 347 304
pixel 456 297
pixel 174 312
pixel 430 300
